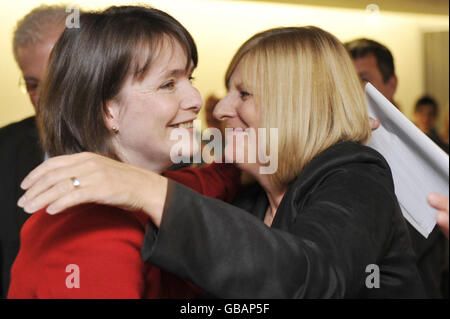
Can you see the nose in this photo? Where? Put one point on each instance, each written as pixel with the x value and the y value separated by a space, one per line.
pixel 193 100
pixel 225 109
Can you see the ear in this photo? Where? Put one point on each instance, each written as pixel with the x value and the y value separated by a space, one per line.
pixel 112 115
pixel 392 84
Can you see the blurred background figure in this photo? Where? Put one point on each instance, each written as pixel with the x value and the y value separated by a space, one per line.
pixel 445 128
pixel 426 113
pixel 374 63
pixel 33 39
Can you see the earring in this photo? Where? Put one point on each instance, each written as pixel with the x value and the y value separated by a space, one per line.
pixel 115 129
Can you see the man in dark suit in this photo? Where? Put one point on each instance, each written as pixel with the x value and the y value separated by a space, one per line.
pixel 33 40
pixel 374 63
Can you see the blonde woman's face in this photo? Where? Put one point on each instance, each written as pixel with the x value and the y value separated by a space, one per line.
pixel 239 111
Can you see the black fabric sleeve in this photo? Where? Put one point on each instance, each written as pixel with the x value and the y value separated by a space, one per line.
pixel 231 254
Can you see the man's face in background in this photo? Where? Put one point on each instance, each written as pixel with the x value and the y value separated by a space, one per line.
pixel 32 60
pixel 425 118
pixel 368 71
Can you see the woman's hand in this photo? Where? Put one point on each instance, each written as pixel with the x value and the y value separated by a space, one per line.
pixel 102 180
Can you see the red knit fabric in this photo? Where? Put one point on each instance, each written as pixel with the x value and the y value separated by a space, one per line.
pixel 104 243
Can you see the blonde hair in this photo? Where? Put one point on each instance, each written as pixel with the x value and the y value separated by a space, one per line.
pixel 305 84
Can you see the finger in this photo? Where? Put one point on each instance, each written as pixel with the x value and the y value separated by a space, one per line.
pixel 49 196
pixel 52 164
pixel 442 221
pixel 438 201
pixel 77 197
pixel 52 178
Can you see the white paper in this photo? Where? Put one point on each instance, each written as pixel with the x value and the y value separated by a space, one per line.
pixel 418 165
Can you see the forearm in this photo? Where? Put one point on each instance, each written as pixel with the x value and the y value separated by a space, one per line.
pixel 221 181
pixel 205 244
pixel 231 254
pixel 153 197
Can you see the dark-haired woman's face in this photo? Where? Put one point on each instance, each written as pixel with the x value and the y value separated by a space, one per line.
pixel 147 112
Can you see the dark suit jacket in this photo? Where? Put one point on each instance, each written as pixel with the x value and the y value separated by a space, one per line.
pixel 432 261
pixel 19 154
pixel 337 218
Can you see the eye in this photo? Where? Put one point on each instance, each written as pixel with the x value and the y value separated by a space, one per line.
pixel 191 78
pixel 31 86
pixel 244 95
pixel 169 85
pixel 364 80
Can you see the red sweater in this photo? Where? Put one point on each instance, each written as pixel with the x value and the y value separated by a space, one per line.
pixel 100 246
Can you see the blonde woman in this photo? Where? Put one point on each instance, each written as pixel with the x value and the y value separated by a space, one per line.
pixel 326 224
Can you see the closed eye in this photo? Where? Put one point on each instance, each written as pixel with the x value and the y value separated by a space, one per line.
pixel 244 95
pixel 169 85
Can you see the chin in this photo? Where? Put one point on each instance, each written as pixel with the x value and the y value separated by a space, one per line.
pixel 184 150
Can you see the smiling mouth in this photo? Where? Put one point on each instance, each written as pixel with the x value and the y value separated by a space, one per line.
pixel 187 124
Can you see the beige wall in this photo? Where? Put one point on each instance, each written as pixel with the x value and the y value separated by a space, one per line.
pixel 219 27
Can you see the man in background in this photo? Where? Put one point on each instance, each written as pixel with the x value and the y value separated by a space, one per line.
pixel 33 39
pixel 426 113
pixel 374 63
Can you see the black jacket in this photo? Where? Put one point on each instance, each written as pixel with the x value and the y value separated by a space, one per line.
pixel 19 154
pixel 339 218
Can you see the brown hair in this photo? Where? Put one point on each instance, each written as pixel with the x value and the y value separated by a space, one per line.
pixel 88 67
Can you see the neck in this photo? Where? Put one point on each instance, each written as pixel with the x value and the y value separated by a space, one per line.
pixel 137 159
pixel 274 193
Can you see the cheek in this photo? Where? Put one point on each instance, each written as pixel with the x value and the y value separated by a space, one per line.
pixel 34 99
pixel 150 114
pixel 240 147
pixel 430 119
pixel 250 115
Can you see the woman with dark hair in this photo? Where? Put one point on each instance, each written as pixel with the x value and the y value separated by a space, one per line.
pixel 118 86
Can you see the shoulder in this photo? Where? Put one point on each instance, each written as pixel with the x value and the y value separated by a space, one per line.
pixel 347 175
pixel 351 186
pixel 84 225
pixel 102 242
pixel 18 127
pixel 350 162
pixel 18 130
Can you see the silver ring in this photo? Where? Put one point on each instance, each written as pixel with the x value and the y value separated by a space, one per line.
pixel 75 182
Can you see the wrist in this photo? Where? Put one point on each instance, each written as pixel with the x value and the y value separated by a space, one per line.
pixel 154 197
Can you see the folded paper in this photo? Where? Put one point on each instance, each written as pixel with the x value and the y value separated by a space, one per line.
pixel 418 165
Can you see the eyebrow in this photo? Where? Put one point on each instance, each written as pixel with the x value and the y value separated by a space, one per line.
pixel 241 87
pixel 177 72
